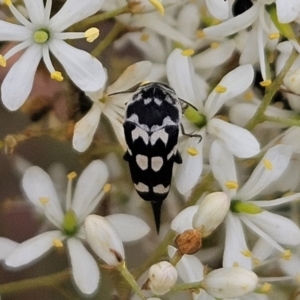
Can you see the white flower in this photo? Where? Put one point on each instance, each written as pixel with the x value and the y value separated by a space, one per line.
pixel 161 277
pixel 68 220
pixel 42 35
pixel 189 87
pixel 111 103
pixel 273 228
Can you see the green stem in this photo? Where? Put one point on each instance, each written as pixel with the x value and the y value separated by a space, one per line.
pixel 130 279
pixel 109 39
pixel 187 286
pixel 272 89
pixel 288 122
pixel 103 16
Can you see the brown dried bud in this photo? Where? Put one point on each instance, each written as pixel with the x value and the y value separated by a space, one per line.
pixel 189 242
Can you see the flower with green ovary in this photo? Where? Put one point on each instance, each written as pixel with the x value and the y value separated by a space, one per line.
pixel 274 229
pixel 68 217
pixel 41 35
pixel 191 88
pixel 111 103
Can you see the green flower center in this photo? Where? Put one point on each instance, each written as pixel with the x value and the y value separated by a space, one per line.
pixel 70 224
pixel 41 36
pixel 238 206
pixel 195 117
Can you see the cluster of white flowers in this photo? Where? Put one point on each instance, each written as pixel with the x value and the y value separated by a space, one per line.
pixel 236 66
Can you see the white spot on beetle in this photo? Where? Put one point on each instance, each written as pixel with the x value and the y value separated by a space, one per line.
pixel 160 189
pixel 141 187
pixel 156 163
pixel 160 134
pixel 142 161
pixel 139 132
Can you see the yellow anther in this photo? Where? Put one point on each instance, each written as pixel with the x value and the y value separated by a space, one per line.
pixel 248 96
pixel 41 36
pixel 56 75
pixel 2 61
pixel 265 82
pixel 200 34
pixel 188 52
pixel 144 82
pixel 107 187
pixel 57 243
pixel 246 253
pixel 71 175
pixel 235 264
pixel 192 151
pixel 256 261
pixel 215 45
pixel 220 89
pixel 144 37
pixel 44 200
pixel 268 164
pixel 274 35
pixel 232 185
pixel 8 2
pixel 266 288
pixel 287 254
pixel 91 34
pixel 157 4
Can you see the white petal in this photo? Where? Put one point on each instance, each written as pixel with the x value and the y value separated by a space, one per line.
pixel 17 84
pixel 37 184
pixel 189 20
pixel 6 247
pixel 238 140
pixel 13 32
pixel 129 228
pixel 188 173
pixel 35 10
pixel 88 188
pixel 182 78
pixel 104 239
pixel 223 166
pixel 235 24
pixel 262 250
pixel 85 128
pixel 235 82
pixel 287 11
pixel 290 266
pixel 278 157
pixel 84 70
pixel 183 221
pixel 32 249
pixel 214 57
pixel 235 244
pixel 84 267
pixel 133 75
pixel 281 229
pixel 74 11
pixel 218 8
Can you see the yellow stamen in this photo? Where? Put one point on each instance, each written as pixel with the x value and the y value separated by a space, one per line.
pixel 144 37
pixel 2 61
pixel 232 185
pixel 287 254
pixel 274 35
pixel 246 253
pixel 192 151
pixel 268 164
pixel 107 187
pixel 8 2
pixel 57 243
pixel 44 200
pixel 56 75
pixel 248 96
pixel 200 34
pixel 144 82
pixel 265 82
pixel 71 175
pixel 266 288
pixel 220 89
pixel 91 34
pixel 157 4
pixel 256 261
pixel 235 264
pixel 214 45
pixel 41 36
pixel 188 52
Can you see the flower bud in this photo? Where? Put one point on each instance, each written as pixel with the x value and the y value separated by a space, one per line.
pixel 162 276
pixel 104 240
pixel 189 242
pixel 211 213
pixel 292 81
pixel 230 282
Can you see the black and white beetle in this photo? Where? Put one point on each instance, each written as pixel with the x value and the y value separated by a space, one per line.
pixel 151 127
